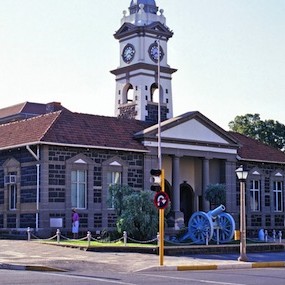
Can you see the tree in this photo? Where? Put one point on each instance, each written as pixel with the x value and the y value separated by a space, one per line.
pixel 137 214
pixel 216 194
pixel 269 132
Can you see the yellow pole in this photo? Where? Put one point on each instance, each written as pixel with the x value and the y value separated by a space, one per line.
pixel 161 225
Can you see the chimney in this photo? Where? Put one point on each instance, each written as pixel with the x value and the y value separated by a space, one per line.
pixel 53 107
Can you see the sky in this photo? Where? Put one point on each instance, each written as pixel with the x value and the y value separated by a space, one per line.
pixel 230 55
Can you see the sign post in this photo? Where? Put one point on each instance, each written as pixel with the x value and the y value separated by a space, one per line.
pixel 161 201
pixel 161 225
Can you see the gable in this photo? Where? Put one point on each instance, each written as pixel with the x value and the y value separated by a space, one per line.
pixel 124 29
pixel 155 28
pixel 158 27
pixel 195 131
pixel 191 131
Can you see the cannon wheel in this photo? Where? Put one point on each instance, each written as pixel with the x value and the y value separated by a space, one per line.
pixel 226 225
pixel 200 225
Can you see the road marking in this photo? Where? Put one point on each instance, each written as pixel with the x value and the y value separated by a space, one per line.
pixel 197 280
pixel 107 280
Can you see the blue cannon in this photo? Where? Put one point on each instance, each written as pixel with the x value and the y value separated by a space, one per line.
pixel 214 225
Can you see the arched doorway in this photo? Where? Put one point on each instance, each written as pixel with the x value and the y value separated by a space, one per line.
pixel 167 189
pixel 186 201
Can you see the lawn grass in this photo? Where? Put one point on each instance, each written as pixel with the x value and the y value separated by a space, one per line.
pixel 84 243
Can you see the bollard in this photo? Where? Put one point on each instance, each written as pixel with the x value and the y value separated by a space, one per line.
pixel 261 235
pixel 266 235
pixel 280 236
pixel 89 238
pixel 125 236
pixel 58 235
pixel 29 233
pixel 274 235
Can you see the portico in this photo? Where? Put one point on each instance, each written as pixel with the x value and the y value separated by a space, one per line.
pixel 195 153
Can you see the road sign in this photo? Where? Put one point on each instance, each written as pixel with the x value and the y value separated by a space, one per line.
pixel 161 200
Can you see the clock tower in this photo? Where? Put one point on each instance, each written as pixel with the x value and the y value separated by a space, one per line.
pixel 143 38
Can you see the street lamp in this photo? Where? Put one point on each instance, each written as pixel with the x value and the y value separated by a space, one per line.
pixel 242 175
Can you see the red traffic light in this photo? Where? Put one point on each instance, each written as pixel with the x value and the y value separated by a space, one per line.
pixel 155 180
pixel 155 172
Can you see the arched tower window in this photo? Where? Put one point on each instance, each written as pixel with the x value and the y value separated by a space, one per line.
pixel 154 96
pixel 128 94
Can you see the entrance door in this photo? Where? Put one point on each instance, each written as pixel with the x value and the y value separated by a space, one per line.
pixel 186 201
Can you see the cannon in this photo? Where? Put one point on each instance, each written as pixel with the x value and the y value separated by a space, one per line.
pixel 215 224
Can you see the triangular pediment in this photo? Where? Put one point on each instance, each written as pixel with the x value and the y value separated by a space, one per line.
pixel 125 28
pixel 115 163
pixel 191 128
pixel 158 27
pixel 80 161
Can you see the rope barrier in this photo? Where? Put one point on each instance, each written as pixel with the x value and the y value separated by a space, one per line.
pixel 142 242
pixel 58 236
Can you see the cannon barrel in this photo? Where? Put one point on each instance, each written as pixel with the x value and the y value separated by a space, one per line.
pixel 217 211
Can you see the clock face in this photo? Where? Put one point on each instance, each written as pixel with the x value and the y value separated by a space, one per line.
pixel 154 53
pixel 128 53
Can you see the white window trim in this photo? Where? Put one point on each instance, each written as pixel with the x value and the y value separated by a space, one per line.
pixel 78 188
pixel 13 187
pixel 253 192
pixel 275 196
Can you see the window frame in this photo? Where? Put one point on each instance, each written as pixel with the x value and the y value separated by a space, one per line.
pixel 13 190
pixel 278 196
pixel 111 182
pixel 77 184
pixel 255 195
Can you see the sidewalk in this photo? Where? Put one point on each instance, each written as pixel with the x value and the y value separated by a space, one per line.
pixel 33 255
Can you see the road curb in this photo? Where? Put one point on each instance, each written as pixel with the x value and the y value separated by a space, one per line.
pixel 231 266
pixel 245 265
pixel 30 267
pixel 268 264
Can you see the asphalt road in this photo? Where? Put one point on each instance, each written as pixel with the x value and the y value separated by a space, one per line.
pixel 221 277
pixel 36 254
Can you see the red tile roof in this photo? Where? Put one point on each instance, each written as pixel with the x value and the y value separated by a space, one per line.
pixel 68 128
pixel 11 110
pixel 254 150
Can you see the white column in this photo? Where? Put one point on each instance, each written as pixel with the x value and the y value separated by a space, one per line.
pixel 206 181
pixel 176 183
pixel 178 216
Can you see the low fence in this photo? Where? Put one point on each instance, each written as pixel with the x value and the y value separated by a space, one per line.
pixel 89 238
pixel 276 237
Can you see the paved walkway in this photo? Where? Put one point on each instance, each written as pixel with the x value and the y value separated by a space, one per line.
pixel 34 255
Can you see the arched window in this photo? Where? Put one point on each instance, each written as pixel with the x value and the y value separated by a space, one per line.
pixel 154 97
pixel 130 94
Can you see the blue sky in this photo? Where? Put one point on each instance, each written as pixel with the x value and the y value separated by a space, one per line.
pixel 230 55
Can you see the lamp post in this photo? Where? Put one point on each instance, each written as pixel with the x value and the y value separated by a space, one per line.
pixel 242 175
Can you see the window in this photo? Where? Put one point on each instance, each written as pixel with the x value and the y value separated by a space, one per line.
pixel 130 94
pixel 12 197
pixel 277 196
pixel 79 189
pixel 113 178
pixel 255 195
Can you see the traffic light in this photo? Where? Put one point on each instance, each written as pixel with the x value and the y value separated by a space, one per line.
pixel 155 180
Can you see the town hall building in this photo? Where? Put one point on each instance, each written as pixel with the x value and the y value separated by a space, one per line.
pixel 53 159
